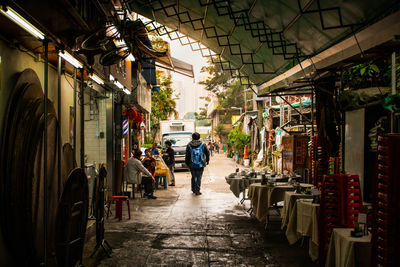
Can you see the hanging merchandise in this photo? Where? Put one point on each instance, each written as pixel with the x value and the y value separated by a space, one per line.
pixel 131 114
pixel 139 118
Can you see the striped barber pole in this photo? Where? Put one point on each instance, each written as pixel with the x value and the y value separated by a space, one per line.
pixel 125 127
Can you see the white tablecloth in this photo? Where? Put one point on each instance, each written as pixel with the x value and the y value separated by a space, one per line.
pixel 288 203
pixel 307 224
pixel 263 196
pixel 343 247
pixel 239 185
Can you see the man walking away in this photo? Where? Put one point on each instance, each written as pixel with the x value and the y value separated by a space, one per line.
pixel 169 158
pixel 216 147
pixel 196 158
pixel 211 148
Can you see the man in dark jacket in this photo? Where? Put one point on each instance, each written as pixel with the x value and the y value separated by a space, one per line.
pixel 169 158
pixel 195 160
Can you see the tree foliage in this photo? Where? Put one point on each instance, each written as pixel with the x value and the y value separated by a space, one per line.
pixel 162 104
pixel 220 131
pixel 237 140
pixel 217 80
pixel 230 92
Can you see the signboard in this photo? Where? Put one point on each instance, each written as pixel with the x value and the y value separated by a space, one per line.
pixel 141 93
pixel 294 152
pixel 235 119
pixel 287 153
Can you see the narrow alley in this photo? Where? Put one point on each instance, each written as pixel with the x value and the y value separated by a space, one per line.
pixel 110 110
pixel 182 229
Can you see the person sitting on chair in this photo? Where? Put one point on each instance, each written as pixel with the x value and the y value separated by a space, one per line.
pixel 134 171
pixel 149 162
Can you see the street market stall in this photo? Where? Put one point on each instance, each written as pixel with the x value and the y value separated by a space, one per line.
pixel 162 172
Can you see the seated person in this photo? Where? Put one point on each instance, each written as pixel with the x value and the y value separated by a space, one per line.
pixel 149 162
pixel 134 171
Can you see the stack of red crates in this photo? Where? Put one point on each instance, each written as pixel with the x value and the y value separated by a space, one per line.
pixel 386 200
pixel 335 165
pixel 319 157
pixel 341 202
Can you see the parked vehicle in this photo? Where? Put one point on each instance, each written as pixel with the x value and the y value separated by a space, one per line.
pixel 177 126
pixel 179 142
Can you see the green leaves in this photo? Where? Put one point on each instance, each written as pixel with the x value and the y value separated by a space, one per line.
pixel 237 140
pixel 162 104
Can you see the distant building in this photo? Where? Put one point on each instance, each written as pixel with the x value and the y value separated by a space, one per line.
pixel 188 95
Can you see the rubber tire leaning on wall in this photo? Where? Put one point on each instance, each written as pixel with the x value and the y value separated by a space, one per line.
pixel 72 219
pixel 21 172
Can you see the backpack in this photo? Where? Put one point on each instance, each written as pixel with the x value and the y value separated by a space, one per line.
pixel 197 156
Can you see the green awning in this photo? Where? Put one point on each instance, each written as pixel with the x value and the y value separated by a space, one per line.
pixel 262 39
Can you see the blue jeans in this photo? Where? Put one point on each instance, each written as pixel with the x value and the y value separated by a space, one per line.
pixel 196 178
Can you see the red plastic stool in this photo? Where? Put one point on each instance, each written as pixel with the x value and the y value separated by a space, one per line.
pixel 118 206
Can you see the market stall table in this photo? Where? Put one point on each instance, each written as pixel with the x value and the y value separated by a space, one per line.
pixel 291 210
pixel 162 172
pixel 289 202
pixel 263 196
pixel 239 185
pixel 307 224
pixel 347 251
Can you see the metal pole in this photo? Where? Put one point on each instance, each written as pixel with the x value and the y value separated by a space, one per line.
pixel 312 113
pixel 392 124
pixel 245 102
pixel 74 130
pixel 290 105
pixel 82 98
pixel 59 126
pixel 45 89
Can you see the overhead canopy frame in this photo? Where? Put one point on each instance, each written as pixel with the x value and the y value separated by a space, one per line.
pixel 259 40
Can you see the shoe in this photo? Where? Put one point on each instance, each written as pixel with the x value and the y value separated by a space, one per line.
pixel 171 185
pixel 145 195
pixel 198 193
pixel 151 197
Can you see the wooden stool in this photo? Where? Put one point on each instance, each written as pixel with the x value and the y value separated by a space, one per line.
pixel 118 206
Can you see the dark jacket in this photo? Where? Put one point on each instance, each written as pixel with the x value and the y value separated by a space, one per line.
pixel 170 159
pixel 196 143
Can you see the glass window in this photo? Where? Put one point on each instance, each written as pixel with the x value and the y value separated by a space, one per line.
pixel 178 140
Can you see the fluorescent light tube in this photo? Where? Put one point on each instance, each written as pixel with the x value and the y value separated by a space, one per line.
pixel 18 19
pixel 112 78
pixel 126 91
pixel 73 61
pixel 131 58
pixel 96 78
pixel 119 85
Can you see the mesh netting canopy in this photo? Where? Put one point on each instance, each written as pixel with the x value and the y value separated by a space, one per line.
pixel 259 39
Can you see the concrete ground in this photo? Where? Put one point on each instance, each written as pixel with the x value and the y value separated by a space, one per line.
pixel 182 229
